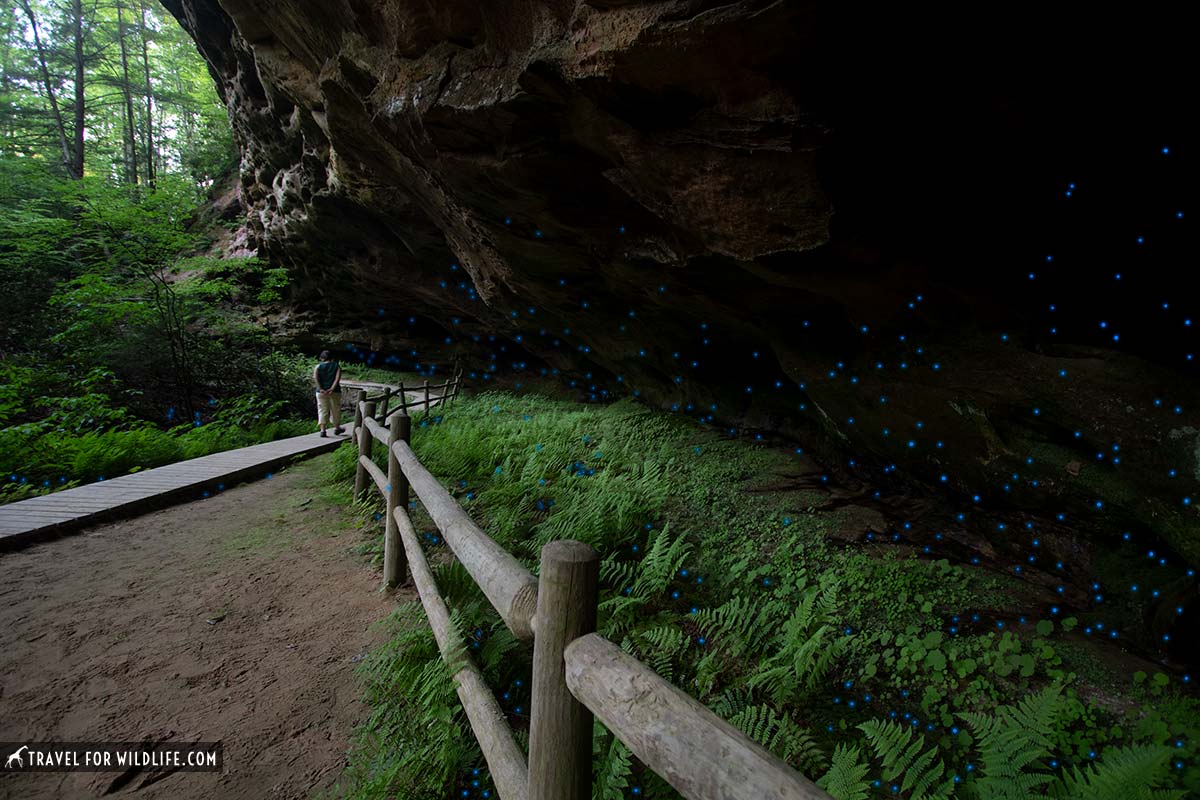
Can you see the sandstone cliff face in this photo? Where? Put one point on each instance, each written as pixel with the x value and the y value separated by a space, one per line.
pixel 641 194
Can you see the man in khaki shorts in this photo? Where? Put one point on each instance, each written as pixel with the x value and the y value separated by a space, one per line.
pixel 327 378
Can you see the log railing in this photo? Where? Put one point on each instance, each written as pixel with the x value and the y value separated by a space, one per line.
pixel 576 672
pixel 428 395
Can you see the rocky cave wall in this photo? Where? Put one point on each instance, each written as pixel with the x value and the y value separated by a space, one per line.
pixel 804 218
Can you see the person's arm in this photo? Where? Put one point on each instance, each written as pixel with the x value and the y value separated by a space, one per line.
pixel 337 379
pixel 316 382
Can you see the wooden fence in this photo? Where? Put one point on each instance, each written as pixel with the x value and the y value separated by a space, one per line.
pixel 576 672
pixel 428 395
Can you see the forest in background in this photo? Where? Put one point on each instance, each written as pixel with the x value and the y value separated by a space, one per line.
pixel 126 338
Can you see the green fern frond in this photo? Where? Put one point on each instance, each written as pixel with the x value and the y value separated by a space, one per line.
pixel 495 650
pixel 781 735
pixel 664 558
pixel 613 768
pixel 454 582
pixel 903 756
pixel 1012 741
pixel 619 575
pixel 730 702
pixel 847 775
pixel 738 626
pixel 658 648
pixel 638 582
pixel 804 652
pixel 1125 773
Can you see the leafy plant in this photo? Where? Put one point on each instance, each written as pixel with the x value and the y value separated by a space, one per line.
pixel 906 759
pixel 847 775
pixel 803 654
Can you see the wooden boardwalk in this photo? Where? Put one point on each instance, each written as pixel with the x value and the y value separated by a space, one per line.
pixel 61 512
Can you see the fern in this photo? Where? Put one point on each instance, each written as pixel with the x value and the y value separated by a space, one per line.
pixel 1012 741
pixel 805 651
pixel 658 647
pixel 847 775
pixel 454 582
pixel 636 583
pixel 738 626
pixel 1125 773
pixel 781 735
pixel 613 768
pixel 664 557
pixel 904 758
pixel 730 702
pixel 416 741
pixel 494 654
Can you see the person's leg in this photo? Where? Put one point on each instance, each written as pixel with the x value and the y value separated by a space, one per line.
pixel 322 411
pixel 335 411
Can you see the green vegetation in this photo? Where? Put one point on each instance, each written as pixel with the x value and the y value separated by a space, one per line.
pixel 119 353
pixel 126 341
pixel 865 668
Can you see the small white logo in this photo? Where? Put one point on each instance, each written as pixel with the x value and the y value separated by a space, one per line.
pixel 16 757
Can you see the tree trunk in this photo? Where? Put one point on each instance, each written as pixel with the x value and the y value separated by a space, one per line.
pixel 150 169
pixel 68 157
pixel 130 120
pixel 7 133
pixel 77 30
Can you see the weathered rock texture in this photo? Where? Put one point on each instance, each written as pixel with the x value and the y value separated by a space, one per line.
pixel 642 194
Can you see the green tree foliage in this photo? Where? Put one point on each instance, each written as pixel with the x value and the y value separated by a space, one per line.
pixel 112 90
pixel 124 344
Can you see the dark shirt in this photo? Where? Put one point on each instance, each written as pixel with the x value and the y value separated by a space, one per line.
pixel 327 375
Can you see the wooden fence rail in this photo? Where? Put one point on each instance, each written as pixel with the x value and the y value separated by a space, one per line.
pixel 504 757
pixel 430 395
pixel 576 672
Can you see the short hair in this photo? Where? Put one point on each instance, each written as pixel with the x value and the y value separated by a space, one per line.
pixel 325 355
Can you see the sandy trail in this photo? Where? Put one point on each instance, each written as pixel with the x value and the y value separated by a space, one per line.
pixel 105 636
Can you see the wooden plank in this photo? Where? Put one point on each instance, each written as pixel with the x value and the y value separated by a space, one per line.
pixel 67 510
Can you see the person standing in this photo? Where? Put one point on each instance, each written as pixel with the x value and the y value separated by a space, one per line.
pixel 327 378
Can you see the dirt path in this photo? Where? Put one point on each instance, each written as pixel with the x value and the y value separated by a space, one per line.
pixel 239 618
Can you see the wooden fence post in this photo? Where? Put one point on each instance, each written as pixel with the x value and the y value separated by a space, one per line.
pixel 365 440
pixel 427 398
pixel 383 406
pixel 395 564
pixel 560 731
pixel 359 472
